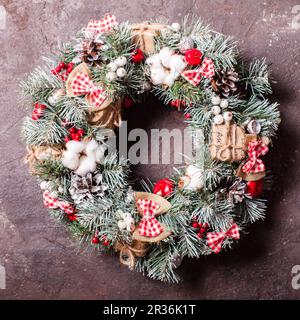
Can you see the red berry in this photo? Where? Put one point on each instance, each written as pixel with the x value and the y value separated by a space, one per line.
pixel 67 139
pixel 195 225
pixel 199 235
pixel 137 56
pixel 163 187
pixel 200 225
pixel 205 225
pixel 42 106
pixel 188 116
pixel 57 69
pixel 202 230
pixel 70 69
pixel 72 217
pixel 80 132
pixel 72 130
pixel 76 137
pixel 70 65
pixel 62 65
pixel 106 243
pixel 95 240
pixel 53 71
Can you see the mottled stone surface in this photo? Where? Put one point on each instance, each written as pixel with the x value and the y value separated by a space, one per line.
pixel 42 262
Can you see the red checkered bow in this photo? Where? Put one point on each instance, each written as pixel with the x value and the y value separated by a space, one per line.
pixel 254 164
pixel 54 203
pixel 149 225
pixel 206 70
pixel 215 239
pixel 103 25
pixel 83 85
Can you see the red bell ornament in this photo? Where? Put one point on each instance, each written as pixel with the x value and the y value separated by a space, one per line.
pixel 255 188
pixel 163 187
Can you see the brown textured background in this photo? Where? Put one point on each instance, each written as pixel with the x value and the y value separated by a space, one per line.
pixel 42 262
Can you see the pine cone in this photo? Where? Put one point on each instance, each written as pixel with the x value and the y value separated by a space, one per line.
pixel 224 82
pixel 88 187
pixel 90 52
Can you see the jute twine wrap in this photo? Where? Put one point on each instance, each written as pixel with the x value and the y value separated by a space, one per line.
pixel 128 253
pixel 227 142
pixel 40 153
pixel 143 35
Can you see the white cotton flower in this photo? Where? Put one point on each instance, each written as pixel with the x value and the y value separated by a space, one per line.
pixel 82 156
pixel 177 63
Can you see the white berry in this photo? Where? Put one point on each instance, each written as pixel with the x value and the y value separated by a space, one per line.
pixel 44 185
pixel 227 116
pixel 215 100
pixel 111 76
pixel 175 26
pixel 112 66
pixel 121 72
pixel 224 103
pixel 121 61
pixel 216 110
pixel 218 119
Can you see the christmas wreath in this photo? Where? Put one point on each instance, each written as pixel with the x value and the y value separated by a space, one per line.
pixel 83 90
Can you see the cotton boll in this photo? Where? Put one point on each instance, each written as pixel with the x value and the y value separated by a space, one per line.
pixel 165 56
pixel 170 79
pixel 175 26
pixel 158 75
pixel 153 60
pixel 100 153
pixel 121 224
pixel 91 147
pixel 177 63
pixel 87 164
pixel 75 146
pixel 70 160
pixel 196 177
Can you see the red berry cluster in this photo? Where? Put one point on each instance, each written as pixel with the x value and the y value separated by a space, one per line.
pixel 200 228
pixel 74 134
pixel 177 103
pixel 66 68
pixel 96 240
pixel 38 111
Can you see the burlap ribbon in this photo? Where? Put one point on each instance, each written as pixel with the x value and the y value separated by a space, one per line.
pixel 164 206
pixel 128 253
pixel 40 153
pixel 109 117
pixel 143 35
pixel 227 142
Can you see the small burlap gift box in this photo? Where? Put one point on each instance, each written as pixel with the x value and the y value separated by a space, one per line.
pixel 143 35
pixel 228 142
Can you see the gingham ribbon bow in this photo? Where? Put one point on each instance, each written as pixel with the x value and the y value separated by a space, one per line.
pixel 83 85
pixel 54 203
pixel 103 25
pixel 254 164
pixel 215 239
pixel 207 70
pixel 149 225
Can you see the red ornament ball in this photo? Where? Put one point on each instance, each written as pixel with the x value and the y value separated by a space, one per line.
pixel 193 57
pixel 137 56
pixel 95 240
pixel 163 187
pixel 255 188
